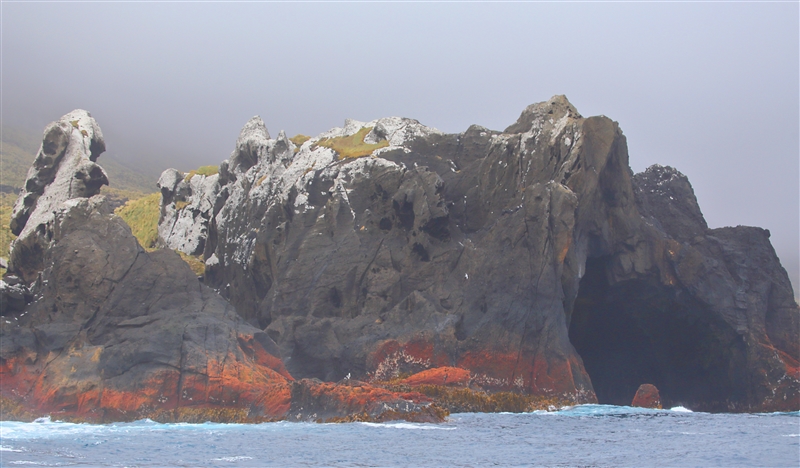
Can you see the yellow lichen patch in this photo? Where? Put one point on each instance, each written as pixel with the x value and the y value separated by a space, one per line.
pixel 13 411
pixel 309 169
pixel 142 217
pixel 84 133
pixel 74 123
pixel 431 413
pixel 261 180
pixel 203 171
pixel 352 146
pixel 222 415
pixel 298 140
pixel 461 400
pixel 6 236
pixel 201 415
pixel 195 263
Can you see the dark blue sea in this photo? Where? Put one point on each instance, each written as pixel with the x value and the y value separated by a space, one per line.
pixel 589 435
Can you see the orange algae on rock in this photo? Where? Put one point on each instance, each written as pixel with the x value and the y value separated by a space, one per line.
pixel 258 392
pixel 351 400
pixel 468 400
pixel 261 356
pixel 647 396
pixel 522 371
pixel 490 369
pixel 448 376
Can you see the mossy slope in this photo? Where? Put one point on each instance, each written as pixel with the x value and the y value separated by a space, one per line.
pixel 352 146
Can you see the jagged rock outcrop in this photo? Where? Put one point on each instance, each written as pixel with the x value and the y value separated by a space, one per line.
pixel 118 333
pixel 532 257
pixel 183 226
pixel 64 168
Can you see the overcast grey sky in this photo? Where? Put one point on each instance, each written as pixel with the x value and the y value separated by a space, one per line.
pixel 709 88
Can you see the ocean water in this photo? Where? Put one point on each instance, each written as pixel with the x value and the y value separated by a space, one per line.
pixel 587 435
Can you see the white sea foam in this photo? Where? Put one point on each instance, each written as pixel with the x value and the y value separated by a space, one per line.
pixel 423 427
pixel 5 448
pixel 232 459
pixel 26 462
pixel 681 409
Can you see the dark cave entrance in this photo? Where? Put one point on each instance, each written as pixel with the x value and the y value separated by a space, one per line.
pixel 640 331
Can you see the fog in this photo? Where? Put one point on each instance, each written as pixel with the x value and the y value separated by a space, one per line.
pixel 709 88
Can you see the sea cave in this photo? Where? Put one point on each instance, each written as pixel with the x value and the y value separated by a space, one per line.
pixel 640 331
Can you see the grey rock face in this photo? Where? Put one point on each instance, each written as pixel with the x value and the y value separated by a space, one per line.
pixel 498 252
pixel 110 332
pixel 665 197
pixel 119 333
pixel 63 169
pixel 696 325
pixel 253 143
pixel 422 240
pixel 186 206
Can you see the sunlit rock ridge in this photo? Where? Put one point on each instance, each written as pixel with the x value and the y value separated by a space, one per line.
pixel 532 258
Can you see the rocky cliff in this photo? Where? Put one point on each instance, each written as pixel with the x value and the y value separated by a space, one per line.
pixel 532 258
pixel 95 328
pixel 378 268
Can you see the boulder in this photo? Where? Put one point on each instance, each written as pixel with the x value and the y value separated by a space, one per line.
pixel 647 397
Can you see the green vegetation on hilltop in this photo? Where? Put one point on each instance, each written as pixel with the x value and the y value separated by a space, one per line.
pixel 142 216
pixel 352 146
pixel 298 140
pixel 6 205
pixel 202 170
pixel 195 263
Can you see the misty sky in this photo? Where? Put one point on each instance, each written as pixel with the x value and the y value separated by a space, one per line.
pixel 709 88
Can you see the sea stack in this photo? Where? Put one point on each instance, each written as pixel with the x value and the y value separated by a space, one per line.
pixel 647 397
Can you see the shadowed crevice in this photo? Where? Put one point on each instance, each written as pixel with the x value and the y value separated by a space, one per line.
pixel 640 331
